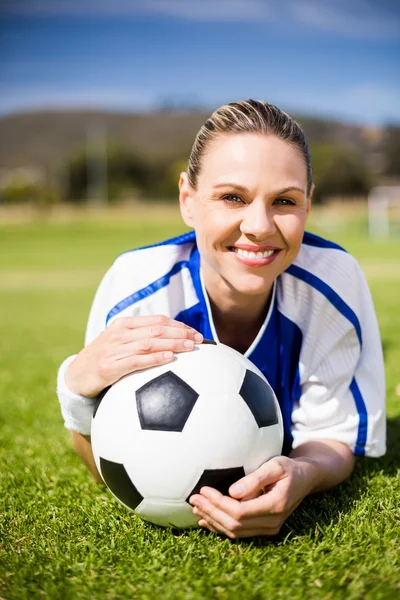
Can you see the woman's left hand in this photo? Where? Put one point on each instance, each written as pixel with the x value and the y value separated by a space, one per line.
pixel 259 503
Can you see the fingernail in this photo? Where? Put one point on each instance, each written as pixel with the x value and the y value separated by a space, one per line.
pixel 168 355
pixel 198 337
pixel 188 344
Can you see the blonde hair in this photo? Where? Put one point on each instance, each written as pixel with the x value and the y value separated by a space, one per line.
pixel 248 116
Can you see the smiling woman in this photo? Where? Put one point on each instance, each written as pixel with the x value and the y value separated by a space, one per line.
pixel 249 209
pixel 249 276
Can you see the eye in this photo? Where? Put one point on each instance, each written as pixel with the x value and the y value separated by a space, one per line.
pixel 232 198
pixel 285 202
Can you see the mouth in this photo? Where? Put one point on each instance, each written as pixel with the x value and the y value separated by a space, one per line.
pixel 254 258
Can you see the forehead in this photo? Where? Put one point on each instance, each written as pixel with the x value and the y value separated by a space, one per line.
pixel 250 157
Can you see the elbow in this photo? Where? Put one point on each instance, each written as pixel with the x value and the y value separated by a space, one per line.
pixel 83 447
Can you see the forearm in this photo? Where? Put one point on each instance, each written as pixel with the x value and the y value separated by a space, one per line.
pixel 83 447
pixel 326 463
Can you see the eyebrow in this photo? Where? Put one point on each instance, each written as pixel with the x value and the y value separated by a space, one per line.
pixel 290 188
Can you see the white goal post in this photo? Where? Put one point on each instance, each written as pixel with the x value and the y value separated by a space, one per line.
pixel 380 200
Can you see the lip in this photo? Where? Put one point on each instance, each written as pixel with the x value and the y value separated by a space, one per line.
pixel 255 262
pixel 254 248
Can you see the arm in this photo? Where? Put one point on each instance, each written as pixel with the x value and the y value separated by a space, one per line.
pixel 330 461
pixel 127 345
pixel 83 448
pixel 341 412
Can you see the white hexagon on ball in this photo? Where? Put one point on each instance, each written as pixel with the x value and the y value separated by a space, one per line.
pixel 159 435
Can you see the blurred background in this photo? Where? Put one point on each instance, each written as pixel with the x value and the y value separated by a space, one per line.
pixel 100 100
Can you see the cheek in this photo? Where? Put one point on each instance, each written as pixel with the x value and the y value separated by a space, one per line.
pixel 213 223
pixel 292 228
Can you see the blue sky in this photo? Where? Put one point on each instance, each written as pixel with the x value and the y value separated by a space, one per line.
pixel 334 58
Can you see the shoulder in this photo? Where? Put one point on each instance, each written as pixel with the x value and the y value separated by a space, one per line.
pixel 132 282
pixel 148 263
pixel 323 278
pixel 321 262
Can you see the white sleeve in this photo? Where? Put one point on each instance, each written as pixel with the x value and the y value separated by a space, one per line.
pixel 77 410
pixel 343 382
pixel 100 308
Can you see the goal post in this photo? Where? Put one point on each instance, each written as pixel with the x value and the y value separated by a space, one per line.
pixel 381 202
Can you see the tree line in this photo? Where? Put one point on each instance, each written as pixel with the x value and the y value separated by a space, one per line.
pixel 112 172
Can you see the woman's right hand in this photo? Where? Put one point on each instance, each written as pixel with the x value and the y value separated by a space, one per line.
pixel 127 345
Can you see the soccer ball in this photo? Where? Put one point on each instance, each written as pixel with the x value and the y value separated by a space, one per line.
pixel 159 435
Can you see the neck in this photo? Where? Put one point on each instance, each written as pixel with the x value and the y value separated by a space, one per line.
pixel 237 317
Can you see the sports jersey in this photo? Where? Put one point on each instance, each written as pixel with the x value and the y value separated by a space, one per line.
pixel 319 346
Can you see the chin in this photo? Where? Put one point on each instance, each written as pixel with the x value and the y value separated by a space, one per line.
pixel 251 287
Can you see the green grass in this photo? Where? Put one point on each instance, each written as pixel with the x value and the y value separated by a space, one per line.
pixel 62 536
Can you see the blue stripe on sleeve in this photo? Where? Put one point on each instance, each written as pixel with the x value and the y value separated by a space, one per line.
pixel 196 316
pixel 310 239
pixel 359 449
pixel 147 291
pixel 330 294
pixel 184 238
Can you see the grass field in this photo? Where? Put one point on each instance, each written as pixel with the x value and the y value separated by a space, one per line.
pixel 64 537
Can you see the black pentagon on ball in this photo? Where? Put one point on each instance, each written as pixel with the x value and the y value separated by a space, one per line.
pixel 259 398
pixel 220 479
pixel 165 403
pixel 99 399
pixel 119 482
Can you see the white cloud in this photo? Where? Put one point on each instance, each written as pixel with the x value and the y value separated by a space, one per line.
pixel 194 10
pixel 350 18
pixel 355 18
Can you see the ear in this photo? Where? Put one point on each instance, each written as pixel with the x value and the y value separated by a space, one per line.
pixel 186 201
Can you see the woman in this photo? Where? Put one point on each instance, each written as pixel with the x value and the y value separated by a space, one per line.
pixel 250 277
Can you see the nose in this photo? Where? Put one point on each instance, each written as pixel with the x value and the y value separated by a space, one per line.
pixel 258 221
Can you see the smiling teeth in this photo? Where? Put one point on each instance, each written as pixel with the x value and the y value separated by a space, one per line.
pixel 253 255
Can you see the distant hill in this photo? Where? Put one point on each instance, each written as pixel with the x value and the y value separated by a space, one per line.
pixel 45 138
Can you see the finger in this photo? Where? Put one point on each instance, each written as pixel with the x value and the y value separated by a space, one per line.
pixel 218 517
pixel 224 503
pixel 152 345
pixel 261 522
pixel 203 523
pixel 256 482
pixel 211 523
pixel 250 528
pixel 143 361
pixel 148 321
pixel 245 512
pixel 271 503
pixel 267 504
pixel 262 532
pixel 160 331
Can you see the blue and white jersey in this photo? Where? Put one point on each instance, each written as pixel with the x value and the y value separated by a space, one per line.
pixel 319 346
